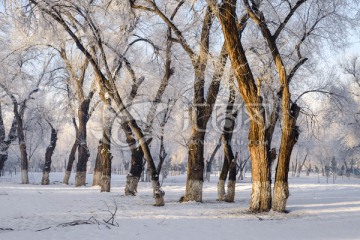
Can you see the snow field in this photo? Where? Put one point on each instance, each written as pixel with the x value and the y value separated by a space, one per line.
pixel 316 211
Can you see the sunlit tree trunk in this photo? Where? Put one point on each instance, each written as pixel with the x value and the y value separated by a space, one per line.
pixel 289 114
pixel 261 185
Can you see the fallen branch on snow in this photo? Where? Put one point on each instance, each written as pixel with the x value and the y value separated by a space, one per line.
pixel 6 229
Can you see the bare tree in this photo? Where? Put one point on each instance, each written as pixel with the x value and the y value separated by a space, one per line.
pixel 136 163
pixel 100 64
pixel 202 106
pixel 261 131
pixel 241 166
pixel 300 165
pixel 261 190
pixel 83 114
pixel 20 103
pixel 19 110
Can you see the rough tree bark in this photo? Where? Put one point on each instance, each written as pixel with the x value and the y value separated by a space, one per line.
pixel 48 154
pixel 261 186
pixel 290 111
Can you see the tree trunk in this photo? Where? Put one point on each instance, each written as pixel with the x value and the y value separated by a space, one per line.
pixel 70 162
pixel 230 195
pixel 298 170
pixel 48 154
pixel 22 147
pixel 83 156
pixel 231 167
pixel 229 157
pixel 24 163
pixel 261 186
pixel 300 166
pixel 106 156
pixel 136 169
pixel 3 158
pixel 202 109
pixel 3 146
pixel 222 178
pixel 147 172
pixel 211 160
pixel 195 170
pixel 108 86
pixel 228 128
pixel 293 169
pixel 241 175
pixel 158 192
pixel 136 163
pixel 83 151
pixel 290 134
pixel 106 162
pixel 98 167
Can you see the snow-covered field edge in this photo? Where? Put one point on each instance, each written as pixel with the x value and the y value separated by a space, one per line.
pixel 316 211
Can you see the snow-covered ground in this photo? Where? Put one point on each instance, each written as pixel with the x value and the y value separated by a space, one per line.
pixel 317 211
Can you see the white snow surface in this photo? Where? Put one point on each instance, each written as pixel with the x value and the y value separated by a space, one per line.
pixel 316 211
